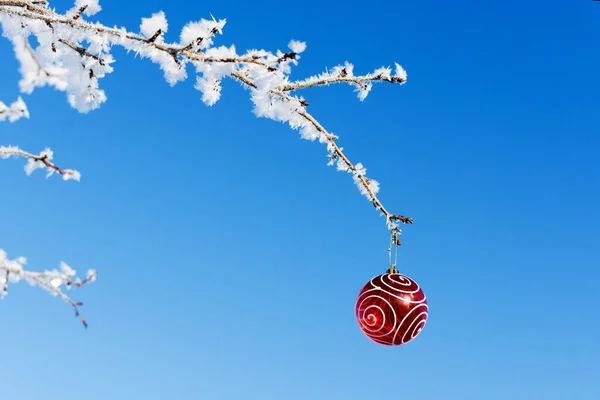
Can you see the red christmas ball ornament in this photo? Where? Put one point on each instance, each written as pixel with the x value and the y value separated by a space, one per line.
pixel 391 309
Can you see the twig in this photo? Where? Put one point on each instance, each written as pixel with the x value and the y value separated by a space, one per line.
pixel 49 280
pixel 359 80
pixel 80 12
pixel 6 152
pixel 82 51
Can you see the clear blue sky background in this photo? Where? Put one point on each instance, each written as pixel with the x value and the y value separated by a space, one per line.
pixel 230 256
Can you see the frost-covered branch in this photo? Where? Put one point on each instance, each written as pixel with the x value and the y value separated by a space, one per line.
pixel 265 73
pixel 54 281
pixel 42 160
pixel 367 186
pixel 72 54
pixel 13 112
pixel 344 74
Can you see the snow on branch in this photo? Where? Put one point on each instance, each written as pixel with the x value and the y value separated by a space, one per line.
pixel 42 160
pixel 72 54
pixel 53 281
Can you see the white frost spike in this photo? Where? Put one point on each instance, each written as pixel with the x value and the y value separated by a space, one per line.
pixel 219 28
pixel 210 88
pixel 309 132
pixel 400 73
pixel 71 174
pixel 384 72
pixel 372 184
pixel 347 67
pixel 193 31
pixel 68 271
pixel 297 47
pixel 150 26
pixel 361 171
pixel 332 155
pixel 342 166
pixel 32 166
pixel 92 7
pixel 363 90
pixel 91 275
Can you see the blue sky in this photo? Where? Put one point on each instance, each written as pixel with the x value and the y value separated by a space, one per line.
pixel 230 256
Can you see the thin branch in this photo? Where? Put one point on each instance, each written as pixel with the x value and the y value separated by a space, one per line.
pixel 364 180
pixel 358 80
pixel 63 296
pixel 337 153
pixel 43 158
pixel 82 51
pixel 155 36
pixel 52 281
pixel 80 12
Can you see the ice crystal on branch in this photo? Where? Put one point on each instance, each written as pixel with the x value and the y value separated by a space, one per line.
pixel 71 54
pixel 86 7
pixel 153 27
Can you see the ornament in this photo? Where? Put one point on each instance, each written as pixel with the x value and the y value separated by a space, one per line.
pixel 391 309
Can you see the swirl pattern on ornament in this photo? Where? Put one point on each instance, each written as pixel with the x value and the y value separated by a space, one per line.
pixel 391 309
